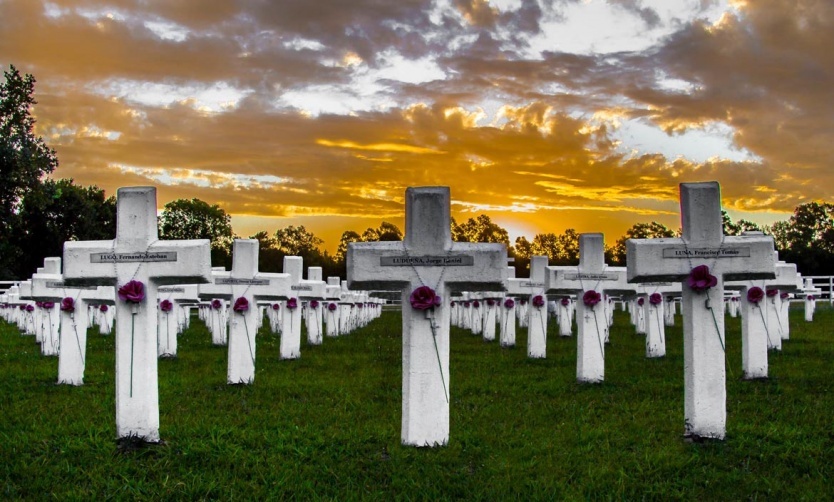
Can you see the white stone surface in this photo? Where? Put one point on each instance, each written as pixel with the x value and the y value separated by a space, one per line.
pixel 427 256
pixel 137 254
pixel 728 258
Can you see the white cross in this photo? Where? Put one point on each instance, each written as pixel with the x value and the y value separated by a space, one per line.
pixel 426 257
pixel 728 258
pixel 536 316
pixel 300 289
pixel 137 254
pixel 592 330
pixel 246 285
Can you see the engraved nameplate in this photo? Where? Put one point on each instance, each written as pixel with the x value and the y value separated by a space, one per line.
pixel 528 284
pixel 427 261
pixel 132 257
pixel 62 285
pixel 246 282
pixel 591 277
pixel 171 290
pixel 706 253
pixel 301 288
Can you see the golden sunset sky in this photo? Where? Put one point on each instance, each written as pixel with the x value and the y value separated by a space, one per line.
pixel 545 115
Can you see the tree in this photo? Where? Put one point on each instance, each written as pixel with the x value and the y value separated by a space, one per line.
pixel 807 238
pixel 347 237
pixel 738 227
pixel 385 232
pixel 24 161
pixel 297 241
pixel 196 219
pixel 59 211
pixel 480 229
pixel 653 230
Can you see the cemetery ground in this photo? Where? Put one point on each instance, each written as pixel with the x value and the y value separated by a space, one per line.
pixel 327 426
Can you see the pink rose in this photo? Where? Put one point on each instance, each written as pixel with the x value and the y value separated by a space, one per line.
pixel 509 303
pixel 538 301
pixel 48 305
pixel 276 306
pixel 68 304
pixel 700 280
pixel 424 298
pixel 772 293
pixel 314 304
pixel 132 292
pixel 332 306
pixel 591 298
pixel 103 308
pixel 292 303
pixel 241 305
pixel 755 295
pixel 166 306
pixel 655 299
pixel 216 304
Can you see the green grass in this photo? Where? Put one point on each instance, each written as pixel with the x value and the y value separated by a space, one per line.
pixel 327 426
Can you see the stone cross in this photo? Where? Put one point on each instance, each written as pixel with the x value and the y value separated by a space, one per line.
pixel 315 310
pixel 172 322
pixel 536 316
pixel 300 289
pixel 73 319
pixel 136 254
pixel 727 258
pixel 426 257
pixel 216 315
pixel 51 271
pixel 333 292
pixel 655 327
pixel 591 320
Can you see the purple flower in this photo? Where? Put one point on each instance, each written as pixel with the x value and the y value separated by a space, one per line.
pixel 591 298
pixel 166 306
pixel 734 299
pixel 784 295
pixel 538 301
pixel 292 303
pixel 48 305
pixel 314 304
pixel 276 306
pixel 132 292
pixel 655 299
pixel 241 305
pixel 565 301
pixel 359 305
pixel 811 297
pixel 30 307
pixel 68 304
pixel 772 293
pixel 755 295
pixel 451 304
pixel 466 304
pixel 700 280
pixel 216 304
pixel 490 302
pixel 103 308
pixel 331 306
pixel 509 303
pixel 39 304
pixel 524 301
pixel 641 301
pixel 424 298
pixel 476 304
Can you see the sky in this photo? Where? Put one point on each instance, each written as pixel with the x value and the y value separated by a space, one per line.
pixel 545 115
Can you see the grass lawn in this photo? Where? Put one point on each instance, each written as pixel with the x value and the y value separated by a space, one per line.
pixel 327 426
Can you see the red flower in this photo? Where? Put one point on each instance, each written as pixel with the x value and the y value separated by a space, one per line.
pixel 48 305
pixel 476 304
pixel 655 299
pixel 216 304
pixel 292 303
pixel 424 298
pixel 103 308
pixel 490 302
pixel 241 305
pixel 314 304
pixel 700 280
pixel 538 301
pixel 509 303
pixel 166 306
pixel 755 295
pixel 565 301
pixel 641 301
pixel 132 292
pixel 784 295
pixel 591 298
pixel 68 304
pixel 772 293
pixel 30 307
pixel 332 306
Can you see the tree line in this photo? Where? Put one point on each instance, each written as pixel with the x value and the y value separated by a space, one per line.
pixel 38 214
